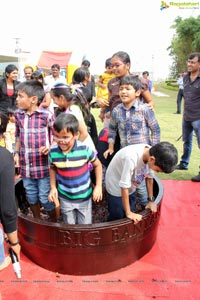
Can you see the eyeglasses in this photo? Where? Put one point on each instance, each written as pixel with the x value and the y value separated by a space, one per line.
pixel 191 62
pixel 117 65
pixel 62 140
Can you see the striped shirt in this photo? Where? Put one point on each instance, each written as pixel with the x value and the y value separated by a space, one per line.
pixel 73 175
pixel 34 131
pixel 136 125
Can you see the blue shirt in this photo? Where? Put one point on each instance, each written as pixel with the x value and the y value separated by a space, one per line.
pixel 136 125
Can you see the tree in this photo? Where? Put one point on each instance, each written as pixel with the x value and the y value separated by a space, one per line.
pixel 185 41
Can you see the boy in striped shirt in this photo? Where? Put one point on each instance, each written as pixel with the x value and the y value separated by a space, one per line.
pixel 69 173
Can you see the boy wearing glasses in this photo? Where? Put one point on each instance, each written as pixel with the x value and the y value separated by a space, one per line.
pixel 33 138
pixel 69 173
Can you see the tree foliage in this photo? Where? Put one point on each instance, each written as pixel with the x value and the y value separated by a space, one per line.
pixel 185 41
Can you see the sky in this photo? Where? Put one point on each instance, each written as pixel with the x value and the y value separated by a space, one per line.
pixel 95 29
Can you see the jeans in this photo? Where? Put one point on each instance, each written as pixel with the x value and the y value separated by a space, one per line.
pixel 179 99
pixel 76 212
pixel 187 128
pixel 38 190
pixel 2 254
pixel 141 192
pixel 115 206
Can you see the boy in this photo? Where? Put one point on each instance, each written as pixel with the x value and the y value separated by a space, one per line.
pixel 128 168
pixel 134 121
pixel 33 139
pixel 69 172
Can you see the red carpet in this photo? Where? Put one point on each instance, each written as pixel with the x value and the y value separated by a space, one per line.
pixel 171 270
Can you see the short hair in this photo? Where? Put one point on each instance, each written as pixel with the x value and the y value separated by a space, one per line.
pixel 37 75
pixel 134 81
pixel 85 63
pixel 193 55
pixel 66 121
pixel 80 74
pixel 145 73
pixel 28 67
pixel 32 88
pixel 108 62
pixel 57 66
pixel 166 156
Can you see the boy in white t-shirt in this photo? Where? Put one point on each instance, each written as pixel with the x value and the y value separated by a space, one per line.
pixel 128 168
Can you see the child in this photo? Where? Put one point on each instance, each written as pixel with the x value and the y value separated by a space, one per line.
pixel 3 125
pixel 134 121
pixel 69 172
pixel 128 169
pixel 10 131
pixel 47 98
pixel 102 90
pixel 33 139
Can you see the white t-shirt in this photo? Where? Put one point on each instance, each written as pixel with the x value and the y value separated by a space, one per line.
pixel 127 170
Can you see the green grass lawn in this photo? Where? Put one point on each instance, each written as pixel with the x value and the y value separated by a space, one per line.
pixel 170 125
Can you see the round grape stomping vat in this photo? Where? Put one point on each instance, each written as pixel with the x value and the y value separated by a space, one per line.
pixel 88 249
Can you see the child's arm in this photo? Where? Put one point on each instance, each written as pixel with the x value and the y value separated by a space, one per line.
pixel 151 205
pixel 146 95
pixel 109 151
pixel 129 214
pixel 97 191
pixel 16 153
pixel 83 133
pixel 53 194
pixel 46 101
pixel 100 82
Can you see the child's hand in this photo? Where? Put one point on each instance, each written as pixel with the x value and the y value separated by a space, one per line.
pixel 133 216
pixel 97 193
pixel 53 195
pixel 44 150
pixel 102 102
pixel 108 152
pixel 152 206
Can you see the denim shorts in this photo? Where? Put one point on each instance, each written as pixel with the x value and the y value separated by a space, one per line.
pixel 38 190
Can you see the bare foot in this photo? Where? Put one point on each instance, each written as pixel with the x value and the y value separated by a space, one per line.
pixel 5 263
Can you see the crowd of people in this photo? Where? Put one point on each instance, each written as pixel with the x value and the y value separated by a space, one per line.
pixel 48 132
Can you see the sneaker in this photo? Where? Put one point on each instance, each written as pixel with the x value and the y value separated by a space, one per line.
pixel 196 178
pixel 181 167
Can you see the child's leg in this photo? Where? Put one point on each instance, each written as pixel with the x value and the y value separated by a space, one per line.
pixel 84 212
pixel 35 208
pixel 115 208
pixel 67 211
pixel 31 189
pixel 43 190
